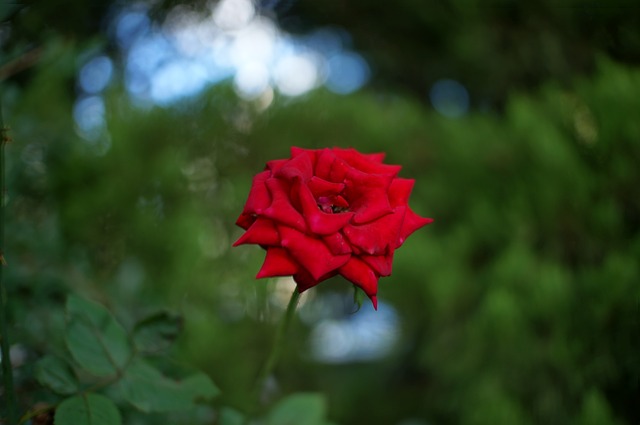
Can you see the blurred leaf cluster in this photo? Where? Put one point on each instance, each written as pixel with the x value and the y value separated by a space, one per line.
pixel 519 305
pixel 101 355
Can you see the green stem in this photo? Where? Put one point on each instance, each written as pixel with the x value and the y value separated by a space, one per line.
pixel 276 350
pixel 7 370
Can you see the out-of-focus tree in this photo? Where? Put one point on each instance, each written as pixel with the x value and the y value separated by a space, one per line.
pixel 492 47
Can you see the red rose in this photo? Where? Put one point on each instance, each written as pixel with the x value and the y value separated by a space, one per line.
pixel 326 212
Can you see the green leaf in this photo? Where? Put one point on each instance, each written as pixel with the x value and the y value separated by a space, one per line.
pixel 229 416
pixel 148 390
pixel 157 332
pixel 358 297
pixel 87 409
pixel 56 374
pixel 299 409
pixel 96 341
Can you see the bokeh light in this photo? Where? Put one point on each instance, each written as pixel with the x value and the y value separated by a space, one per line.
pixel 89 115
pixel 347 72
pixel 251 80
pixel 130 25
pixel 255 42
pixel 192 50
pixel 450 98
pixel 95 74
pixel 296 74
pixel 233 14
pixel 177 79
pixel 365 336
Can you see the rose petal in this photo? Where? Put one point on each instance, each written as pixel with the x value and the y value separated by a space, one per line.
pixel 261 232
pixel 310 252
pixel 259 197
pixel 246 220
pixel 298 167
pixel 381 264
pixel 319 222
pixel 305 281
pixel 278 263
pixel 294 195
pixel 411 223
pixel 376 157
pixel 281 209
pixel 324 163
pixel 399 191
pixel 367 195
pixel 339 171
pixel 331 168
pixel 274 165
pixel 337 244
pixel 321 187
pixel 339 201
pixel 361 275
pixel 322 223
pixel 365 163
pixel 356 250
pixel 376 236
pixel 313 153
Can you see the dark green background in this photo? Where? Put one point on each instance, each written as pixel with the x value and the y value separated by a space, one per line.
pixel 519 305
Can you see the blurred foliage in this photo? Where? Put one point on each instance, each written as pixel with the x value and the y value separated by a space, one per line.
pixel 520 304
pixel 493 47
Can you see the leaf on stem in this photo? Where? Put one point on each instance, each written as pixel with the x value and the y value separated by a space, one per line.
pixel 229 416
pixel 97 342
pixel 157 332
pixel 87 409
pixel 56 374
pixel 148 390
pixel 299 409
pixel 358 298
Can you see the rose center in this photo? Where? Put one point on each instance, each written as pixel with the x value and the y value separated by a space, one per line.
pixel 332 204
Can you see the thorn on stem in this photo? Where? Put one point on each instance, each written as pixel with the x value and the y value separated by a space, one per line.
pixel 5 137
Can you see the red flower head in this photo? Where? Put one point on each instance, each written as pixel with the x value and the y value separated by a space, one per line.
pixel 326 212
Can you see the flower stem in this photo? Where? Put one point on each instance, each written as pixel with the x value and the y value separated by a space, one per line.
pixel 7 370
pixel 276 350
